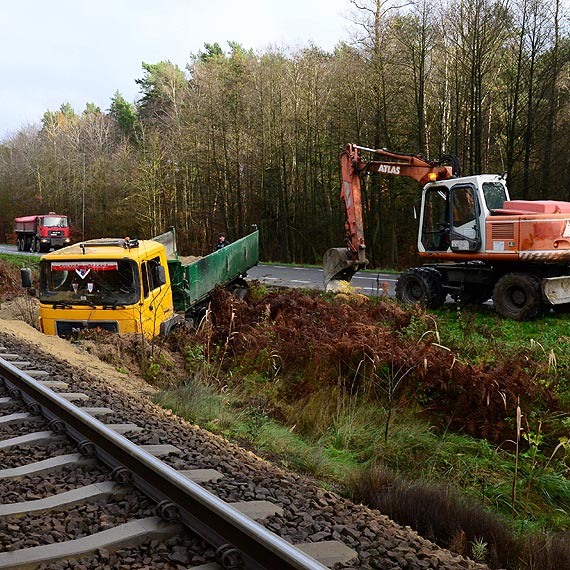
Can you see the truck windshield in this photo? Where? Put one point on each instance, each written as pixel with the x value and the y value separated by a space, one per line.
pixel 90 282
pixel 54 221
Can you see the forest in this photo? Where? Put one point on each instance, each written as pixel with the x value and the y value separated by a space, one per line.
pixel 238 137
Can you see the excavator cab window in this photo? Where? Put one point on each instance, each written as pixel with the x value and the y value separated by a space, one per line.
pixel 435 225
pixel 451 219
pixel 463 207
pixel 495 195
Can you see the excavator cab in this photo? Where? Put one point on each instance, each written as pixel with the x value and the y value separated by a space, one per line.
pixel 450 218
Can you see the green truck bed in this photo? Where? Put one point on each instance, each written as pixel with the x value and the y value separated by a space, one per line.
pixel 193 282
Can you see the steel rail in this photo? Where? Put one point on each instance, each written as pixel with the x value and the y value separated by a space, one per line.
pixel 240 541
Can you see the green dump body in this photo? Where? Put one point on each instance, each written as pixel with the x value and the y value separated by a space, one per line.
pixel 192 283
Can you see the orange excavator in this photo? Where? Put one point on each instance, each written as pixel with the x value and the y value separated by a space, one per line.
pixel 478 244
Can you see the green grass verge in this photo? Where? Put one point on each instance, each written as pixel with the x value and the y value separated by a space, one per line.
pixel 336 450
pixel 20 260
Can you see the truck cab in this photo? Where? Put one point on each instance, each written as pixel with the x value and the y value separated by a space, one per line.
pixel 119 285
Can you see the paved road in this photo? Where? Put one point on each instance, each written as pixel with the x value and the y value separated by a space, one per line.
pixel 368 282
pixel 5 248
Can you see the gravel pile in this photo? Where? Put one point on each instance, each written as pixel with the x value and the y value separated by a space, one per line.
pixel 310 513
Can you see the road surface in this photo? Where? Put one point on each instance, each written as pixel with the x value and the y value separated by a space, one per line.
pixel 366 282
pixel 5 248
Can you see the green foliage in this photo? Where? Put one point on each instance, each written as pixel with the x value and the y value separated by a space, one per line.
pixel 160 86
pixel 125 115
pixel 91 109
pixel 212 51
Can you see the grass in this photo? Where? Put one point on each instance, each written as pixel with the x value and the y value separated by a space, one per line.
pixel 463 485
pixel 352 440
pixel 20 260
pixel 224 413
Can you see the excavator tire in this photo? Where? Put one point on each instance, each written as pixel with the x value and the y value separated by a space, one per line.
pixel 421 285
pixel 518 296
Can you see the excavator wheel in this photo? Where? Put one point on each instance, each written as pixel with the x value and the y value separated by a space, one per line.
pixel 421 285
pixel 518 296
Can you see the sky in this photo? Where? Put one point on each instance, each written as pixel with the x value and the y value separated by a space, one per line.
pixel 78 51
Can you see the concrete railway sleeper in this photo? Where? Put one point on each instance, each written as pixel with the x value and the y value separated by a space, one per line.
pixel 169 497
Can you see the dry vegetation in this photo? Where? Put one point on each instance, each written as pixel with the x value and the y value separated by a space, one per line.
pixel 366 347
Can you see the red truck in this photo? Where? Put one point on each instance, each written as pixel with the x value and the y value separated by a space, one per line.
pixel 41 233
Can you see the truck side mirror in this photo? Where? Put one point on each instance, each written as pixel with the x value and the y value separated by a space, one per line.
pixel 161 274
pixel 26 276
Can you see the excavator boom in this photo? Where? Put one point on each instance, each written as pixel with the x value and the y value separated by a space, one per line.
pixel 340 264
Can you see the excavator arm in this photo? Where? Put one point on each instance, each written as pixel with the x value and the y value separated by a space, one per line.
pixel 340 264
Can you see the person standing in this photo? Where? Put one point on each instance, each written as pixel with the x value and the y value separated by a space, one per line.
pixel 222 242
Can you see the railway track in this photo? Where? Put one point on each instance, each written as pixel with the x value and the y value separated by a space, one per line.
pixel 92 476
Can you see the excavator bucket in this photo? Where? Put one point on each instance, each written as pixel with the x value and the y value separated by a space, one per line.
pixel 338 266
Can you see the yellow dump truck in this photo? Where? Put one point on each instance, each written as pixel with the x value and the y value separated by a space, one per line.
pixel 133 286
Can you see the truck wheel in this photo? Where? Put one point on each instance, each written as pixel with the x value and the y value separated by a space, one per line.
pixel 518 296
pixel 421 285
pixel 19 244
pixel 36 246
